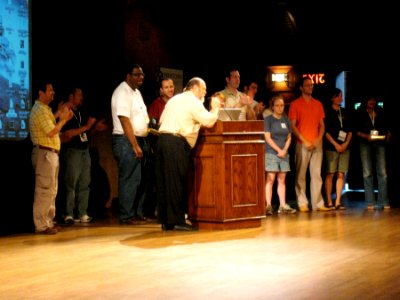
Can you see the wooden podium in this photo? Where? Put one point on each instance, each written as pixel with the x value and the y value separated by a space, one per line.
pixel 228 187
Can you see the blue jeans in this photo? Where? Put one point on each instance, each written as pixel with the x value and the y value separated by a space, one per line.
pixel 77 164
pixel 131 177
pixel 370 153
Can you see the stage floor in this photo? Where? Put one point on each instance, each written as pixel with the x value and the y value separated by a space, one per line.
pixel 351 254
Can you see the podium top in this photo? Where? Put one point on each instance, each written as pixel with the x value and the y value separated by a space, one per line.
pixel 221 127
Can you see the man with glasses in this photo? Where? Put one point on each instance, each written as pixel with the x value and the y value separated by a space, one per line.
pixel 307 119
pixel 130 146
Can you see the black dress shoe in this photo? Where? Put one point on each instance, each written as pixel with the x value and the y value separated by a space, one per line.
pixel 48 230
pixel 185 227
pixel 167 227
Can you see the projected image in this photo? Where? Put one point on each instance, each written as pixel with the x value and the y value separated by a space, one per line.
pixel 14 69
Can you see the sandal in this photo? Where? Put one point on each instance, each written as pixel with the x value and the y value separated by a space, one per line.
pixel 340 207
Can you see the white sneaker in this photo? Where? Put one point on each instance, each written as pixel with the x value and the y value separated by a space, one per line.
pixel 69 220
pixel 286 209
pixel 85 219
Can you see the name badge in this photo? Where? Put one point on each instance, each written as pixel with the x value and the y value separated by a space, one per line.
pixel 83 137
pixel 283 125
pixel 374 132
pixel 342 136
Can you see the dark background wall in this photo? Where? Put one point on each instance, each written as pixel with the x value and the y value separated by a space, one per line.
pixel 79 40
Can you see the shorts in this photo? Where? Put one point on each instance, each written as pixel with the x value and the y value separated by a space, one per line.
pixel 273 163
pixel 337 162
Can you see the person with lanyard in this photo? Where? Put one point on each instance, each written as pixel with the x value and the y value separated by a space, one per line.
pixel 373 132
pixel 76 161
pixel 338 134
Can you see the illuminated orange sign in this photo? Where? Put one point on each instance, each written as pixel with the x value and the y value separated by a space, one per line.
pixel 316 78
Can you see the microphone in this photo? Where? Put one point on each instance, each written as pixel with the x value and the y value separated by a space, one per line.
pixel 153 127
pixel 153 123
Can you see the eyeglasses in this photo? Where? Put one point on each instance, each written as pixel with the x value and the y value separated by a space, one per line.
pixel 138 74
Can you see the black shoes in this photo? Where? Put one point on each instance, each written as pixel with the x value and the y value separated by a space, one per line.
pixel 48 231
pixel 134 221
pixel 167 227
pixel 184 227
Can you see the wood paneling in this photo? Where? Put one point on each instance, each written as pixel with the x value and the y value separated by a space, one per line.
pixel 228 186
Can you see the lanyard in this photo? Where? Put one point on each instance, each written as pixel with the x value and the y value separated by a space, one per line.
pixel 80 119
pixel 372 117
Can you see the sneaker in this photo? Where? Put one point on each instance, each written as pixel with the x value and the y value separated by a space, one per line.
pixel 331 206
pixel 286 209
pixel 69 220
pixel 269 210
pixel 303 209
pixel 340 207
pixel 85 219
pixel 324 208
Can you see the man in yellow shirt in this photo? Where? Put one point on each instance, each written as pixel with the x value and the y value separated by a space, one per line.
pixel 44 133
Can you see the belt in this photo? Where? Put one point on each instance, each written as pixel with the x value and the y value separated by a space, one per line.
pixel 47 148
pixel 175 134
pixel 121 135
